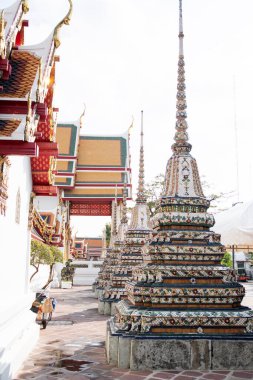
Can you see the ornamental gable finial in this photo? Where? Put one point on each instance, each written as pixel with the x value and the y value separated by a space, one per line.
pixel 64 21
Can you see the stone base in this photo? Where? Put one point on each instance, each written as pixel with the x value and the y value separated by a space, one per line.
pixel 163 352
pixel 66 284
pixel 99 293
pixel 107 307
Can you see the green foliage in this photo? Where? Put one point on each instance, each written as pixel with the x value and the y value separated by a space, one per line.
pixel 108 233
pixel 57 255
pixel 44 254
pixel 227 260
pixel 40 254
pixel 153 191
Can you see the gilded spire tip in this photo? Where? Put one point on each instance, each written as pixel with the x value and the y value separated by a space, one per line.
pixel 25 6
pixel 82 116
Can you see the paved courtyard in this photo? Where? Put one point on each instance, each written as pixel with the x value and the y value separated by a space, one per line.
pixel 72 346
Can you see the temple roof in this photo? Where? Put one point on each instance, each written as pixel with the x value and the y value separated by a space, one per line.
pixel 89 167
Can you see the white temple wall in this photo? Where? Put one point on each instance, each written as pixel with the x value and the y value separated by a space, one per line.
pixel 18 331
pixel 15 237
pixel 48 203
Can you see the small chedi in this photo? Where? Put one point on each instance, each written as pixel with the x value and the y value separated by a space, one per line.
pixel 131 254
pixel 183 308
pixel 113 254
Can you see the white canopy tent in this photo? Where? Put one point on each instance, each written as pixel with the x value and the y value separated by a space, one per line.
pixel 236 224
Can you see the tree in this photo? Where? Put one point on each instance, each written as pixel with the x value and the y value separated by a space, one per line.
pixel 40 254
pixel 155 188
pixel 55 257
pixel 153 191
pixel 227 260
pixel 107 233
pixel 216 199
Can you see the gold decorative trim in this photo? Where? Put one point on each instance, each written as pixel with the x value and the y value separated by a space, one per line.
pixel 2 36
pixel 25 6
pixel 64 21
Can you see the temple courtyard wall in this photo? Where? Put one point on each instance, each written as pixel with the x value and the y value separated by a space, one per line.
pixel 87 271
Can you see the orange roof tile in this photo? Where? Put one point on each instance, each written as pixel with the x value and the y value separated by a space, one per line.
pixel 7 127
pixel 24 69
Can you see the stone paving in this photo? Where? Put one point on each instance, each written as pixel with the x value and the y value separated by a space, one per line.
pixel 72 346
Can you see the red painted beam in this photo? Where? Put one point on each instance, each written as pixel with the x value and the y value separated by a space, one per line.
pixel 18 148
pixel 119 185
pixel 13 107
pixel 91 200
pixel 111 168
pixel 45 190
pixel 48 148
pixel 60 157
pixel 64 174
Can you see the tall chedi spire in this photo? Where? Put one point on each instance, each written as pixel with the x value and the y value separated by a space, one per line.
pixel 140 212
pixel 181 290
pixel 182 177
pixel 141 197
pixel 130 254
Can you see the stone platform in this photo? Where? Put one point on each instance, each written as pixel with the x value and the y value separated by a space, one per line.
pixel 107 307
pixel 180 353
pixel 63 346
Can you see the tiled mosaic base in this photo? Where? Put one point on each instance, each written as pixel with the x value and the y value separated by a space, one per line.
pixel 84 340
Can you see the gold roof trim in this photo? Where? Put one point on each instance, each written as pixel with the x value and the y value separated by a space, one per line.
pixel 25 6
pixel 2 36
pixel 64 21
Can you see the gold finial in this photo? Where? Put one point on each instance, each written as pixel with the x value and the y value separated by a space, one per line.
pixel 82 116
pixel 131 126
pixel 39 81
pixel 64 21
pixel 2 36
pixel 28 129
pixel 25 6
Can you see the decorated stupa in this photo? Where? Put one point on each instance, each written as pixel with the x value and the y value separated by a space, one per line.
pixel 183 308
pixel 111 257
pixel 114 255
pixel 136 236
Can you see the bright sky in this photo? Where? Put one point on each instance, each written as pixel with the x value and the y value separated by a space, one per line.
pixel 120 56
